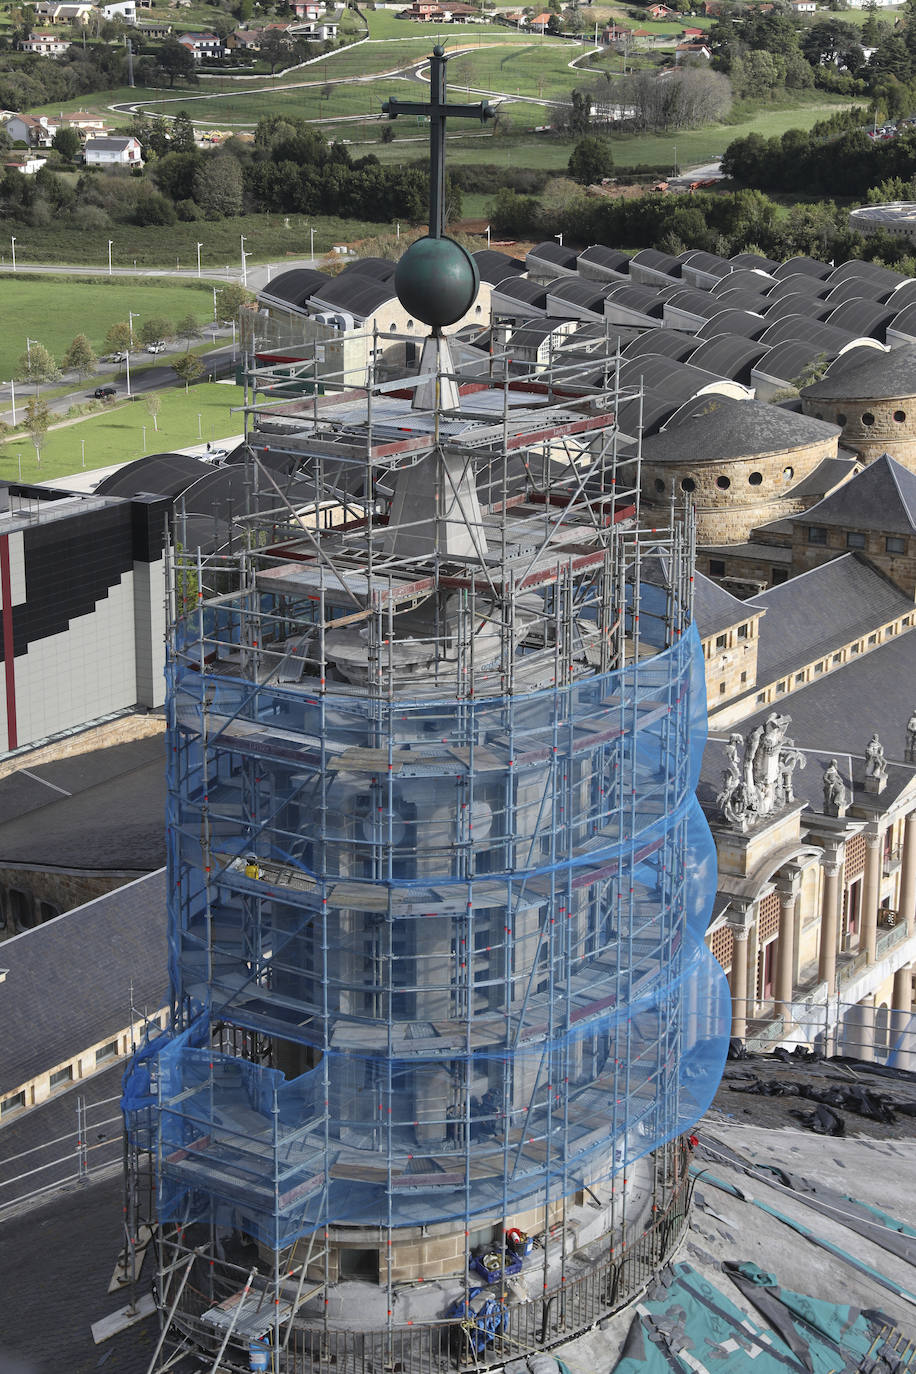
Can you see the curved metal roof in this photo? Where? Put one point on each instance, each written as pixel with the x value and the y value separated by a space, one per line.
pixel 695 302
pixel 883 376
pixel 551 251
pixel 158 474
pixel 611 258
pixel 739 299
pixel 522 289
pixel 658 262
pixel 786 361
pixel 904 322
pixel 729 355
pixel 652 410
pixel 495 266
pixel 796 304
pixel 358 293
pixel 810 267
pixel 748 323
pixel 578 291
pixel 754 260
pixel 857 267
pixel 856 288
pixel 902 295
pixel 665 343
pixel 746 279
pixel 643 298
pixel 799 327
pixel 296 286
pixel 705 262
pixel 382 269
pixel 860 316
pixel 797 283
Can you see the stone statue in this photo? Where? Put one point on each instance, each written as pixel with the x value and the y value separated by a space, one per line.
pixel 835 796
pixel 875 766
pixel 761 782
pixel 909 752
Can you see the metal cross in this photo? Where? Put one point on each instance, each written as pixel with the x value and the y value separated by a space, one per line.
pixel 438 111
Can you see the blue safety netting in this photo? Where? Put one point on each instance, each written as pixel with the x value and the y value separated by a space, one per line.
pixel 474 941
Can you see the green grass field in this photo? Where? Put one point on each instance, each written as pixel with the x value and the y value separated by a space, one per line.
pixel 117 434
pixel 54 309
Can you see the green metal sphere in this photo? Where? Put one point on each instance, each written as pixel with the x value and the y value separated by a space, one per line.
pixel 436 281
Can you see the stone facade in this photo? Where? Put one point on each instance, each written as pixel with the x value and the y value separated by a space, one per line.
pixel 871 426
pixel 731 660
pixel 894 554
pixel 29 896
pixel 731 497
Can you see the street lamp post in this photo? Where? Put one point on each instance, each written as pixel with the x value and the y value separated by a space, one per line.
pixel 200 433
pixel 199 246
pixel 131 316
pixel 244 255
pixel 110 242
pixel 13 397
pixel 312 244
pixel 13 247
pixel 83 447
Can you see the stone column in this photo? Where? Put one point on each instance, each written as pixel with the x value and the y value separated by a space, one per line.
pixel 907 901
pixel 903 1023
pixel 738 980
pixel 868 938
pixel 785 952
pixel 830 917
pixel 863 1046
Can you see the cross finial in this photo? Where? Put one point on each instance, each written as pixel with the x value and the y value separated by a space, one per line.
pixel 437 111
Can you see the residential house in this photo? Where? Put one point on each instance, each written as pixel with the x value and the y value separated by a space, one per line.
pixel 125 10
pixel 661 12
pixel 149 29
pixel 26 163
pixel 202 46
pixel 308 9
pixel 85 124
pixel 803 6
pixel 48 44
pixel 692 35
pixel 50 12
pixel 693 50
pixel 113 152
pixel 317 31
pixel 35 133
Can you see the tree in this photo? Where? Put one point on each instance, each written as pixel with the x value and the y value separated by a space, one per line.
pixel 37 422
pixel 117 340
pixel 188 367
pixel 275 48
pixel 154 330
pixel 591 160
pixel 67 142
pixel 153 401
pixel 182 134
pixel 176 60
pixel 37 365
pixel 187 328
pixel 230 300
pixel 80 357
pixel 218 186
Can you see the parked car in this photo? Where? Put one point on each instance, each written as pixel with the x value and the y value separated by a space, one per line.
pixel 156 347
pixel 105 393
pixel 117 357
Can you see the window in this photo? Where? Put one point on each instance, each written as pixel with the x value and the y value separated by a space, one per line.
pixel 744 631
pixel 721 641
pixel 778 576
pixel 819 667
pixel 11 1104
pixel 799 677
pixel 108 1051
pixel 867 418
pixel 755 479
pixel 64 1075
pixel 788 473
pixel 837 658
pixel 900 416
pixel 817 534
pixel 659 484
pixel 761 698
pixel 744 677
pixel 717 567
pixel 873 639
pixel 721 689
pixel 894 545
pixel 723 483
pixel 688 484
pixel 840 418
pixel 855 539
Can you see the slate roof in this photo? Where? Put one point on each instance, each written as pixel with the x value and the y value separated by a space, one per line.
pixel 881 497
pixel 886 376
pixel 828 475
pixel 721 428
pixel 103 811
pixel 714 608
pixel 69 980
pixel 822 609
pixel 115 144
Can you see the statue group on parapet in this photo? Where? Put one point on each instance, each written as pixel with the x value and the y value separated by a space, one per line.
pixel 909 749
pixel 758 780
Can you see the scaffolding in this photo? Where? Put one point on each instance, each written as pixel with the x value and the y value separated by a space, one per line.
pixel 438 877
